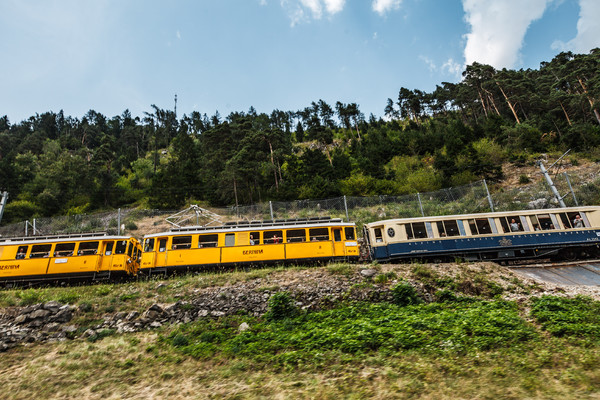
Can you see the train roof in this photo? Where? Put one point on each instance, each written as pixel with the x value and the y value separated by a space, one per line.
pixel 239 226
pixel 78 237
pixel 487 214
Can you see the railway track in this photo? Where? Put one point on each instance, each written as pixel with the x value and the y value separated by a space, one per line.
pixel 579 273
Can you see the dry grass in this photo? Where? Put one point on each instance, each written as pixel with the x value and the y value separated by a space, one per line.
pixel 134 367
pixel 139 366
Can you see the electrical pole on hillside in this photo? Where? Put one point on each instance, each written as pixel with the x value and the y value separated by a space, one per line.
pixel 557 195
pixel 3 203
pixel 175 106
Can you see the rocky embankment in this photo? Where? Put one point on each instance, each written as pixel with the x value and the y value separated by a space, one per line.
pixel 52 321
pixel 312 289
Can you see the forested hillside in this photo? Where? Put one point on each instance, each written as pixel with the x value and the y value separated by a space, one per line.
pixel 55 164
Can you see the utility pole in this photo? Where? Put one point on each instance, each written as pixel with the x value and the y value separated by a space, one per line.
pixel 3 203
pixel 549 179
pixel 175 111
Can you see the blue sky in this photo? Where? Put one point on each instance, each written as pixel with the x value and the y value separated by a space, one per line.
pixel 228 55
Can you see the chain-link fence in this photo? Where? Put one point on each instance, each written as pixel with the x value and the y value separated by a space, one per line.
pixel 470 198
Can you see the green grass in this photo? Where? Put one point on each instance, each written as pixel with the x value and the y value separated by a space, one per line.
pixel 461 346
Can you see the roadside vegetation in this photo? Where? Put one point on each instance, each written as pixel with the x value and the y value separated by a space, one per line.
pixel 445 332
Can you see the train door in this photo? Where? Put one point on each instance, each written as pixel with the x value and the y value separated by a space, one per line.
pixel 107 255
pixel 161 253
pixel 338 242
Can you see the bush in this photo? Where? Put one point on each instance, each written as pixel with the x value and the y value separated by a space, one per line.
pixel 20 210
pixel 404 294
pixel 523 179
pixel 281 306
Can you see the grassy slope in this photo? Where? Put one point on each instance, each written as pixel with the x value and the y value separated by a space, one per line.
pixel 146 364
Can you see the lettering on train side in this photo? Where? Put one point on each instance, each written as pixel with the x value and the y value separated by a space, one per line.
pixel 250 252
pixel 9 267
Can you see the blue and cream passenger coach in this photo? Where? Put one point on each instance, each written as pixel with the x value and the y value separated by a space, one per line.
pixel 562 233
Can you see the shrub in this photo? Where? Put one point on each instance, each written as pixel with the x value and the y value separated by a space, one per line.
pixel 404 294
pixel 523 179
pixel 68 298
pixel 281 305
pixel 131 226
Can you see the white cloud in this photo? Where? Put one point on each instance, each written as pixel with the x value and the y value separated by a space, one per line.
pixel 304 10
pixel 383 6
pixel 452 68
pixel 498 28
pixel 314 6
pixel 588 29
pixel 430 64
pixel 334 6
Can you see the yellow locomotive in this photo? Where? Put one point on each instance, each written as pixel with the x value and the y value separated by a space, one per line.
pixel 74 256
pixel 245 243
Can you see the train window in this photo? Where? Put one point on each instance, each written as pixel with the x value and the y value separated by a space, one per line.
pixel 64 249
pixel 448 228
pixel 162 245
pixel 273 237
pixel 337 234
pixel 230 239
pixel 88 248
pixel 296 235
pixel 121 247
pixel 40 250
pixel 149 244
pixel 409 231
pixel 480 226
pixel 511 224
pixel 181 242
pixel 21 252
pixel 254 238
pixel 416 230
pixel 349 232
pixel 130 250
pixel 208 241
pixel 378 235
pixel 574 220
pixel 318 234
pixel 542 222
pixel 108 248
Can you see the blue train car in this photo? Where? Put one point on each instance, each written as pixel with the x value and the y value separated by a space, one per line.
pixel 564 233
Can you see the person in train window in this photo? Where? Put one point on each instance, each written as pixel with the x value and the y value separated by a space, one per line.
pixel 275 239
pixel 20 253
pixel 514 225
pixel 251 240
pixel 578 222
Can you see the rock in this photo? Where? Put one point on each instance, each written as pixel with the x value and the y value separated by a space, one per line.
pixel 38 314
pixel 52 306
pixel 132 315
pixel 243 327
pixel 89 333
pixel 64 315
pixel 51 327
pixel 537 204
pixel 368 273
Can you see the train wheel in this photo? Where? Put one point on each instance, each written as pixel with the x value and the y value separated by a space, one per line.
pixel 568 254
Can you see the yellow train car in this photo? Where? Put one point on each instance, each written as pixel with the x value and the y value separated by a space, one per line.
pixel 244 243
pixel 76 256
